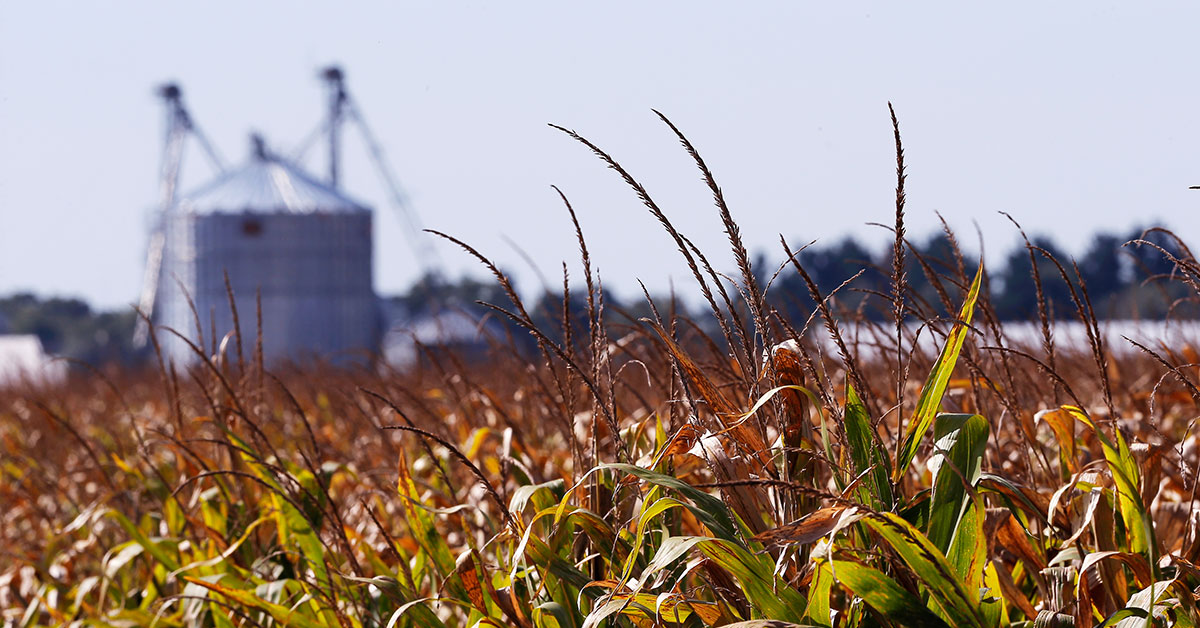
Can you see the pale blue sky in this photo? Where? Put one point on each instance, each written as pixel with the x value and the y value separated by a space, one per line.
pixel 1072 116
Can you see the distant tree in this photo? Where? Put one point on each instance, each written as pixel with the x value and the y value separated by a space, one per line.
pixel 829 267
pixel 1103 267
pixel 1151 252
pixel 1017 298
pixel 1106 272
pixel 942 261
pixel 1152 292
pixel 433 292
pixel 69 328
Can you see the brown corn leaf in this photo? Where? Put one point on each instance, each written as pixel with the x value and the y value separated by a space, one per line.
pixel 1062 423
pixel 1011 536
pixel 749 502
pixel 812 527
pixel 465 568
pixel 1089 514
pixel 1136 563
pixel 786 363
pixel 1149 459
pixel 683 440
pixel 709 391
pixel 727 413
pixel 1021 496
pixel 1010 591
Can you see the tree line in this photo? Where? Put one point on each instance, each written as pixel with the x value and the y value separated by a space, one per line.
pixel 1120 272
pixel 1123 275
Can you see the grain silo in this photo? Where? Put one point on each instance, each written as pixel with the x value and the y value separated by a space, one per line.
pixel 277 231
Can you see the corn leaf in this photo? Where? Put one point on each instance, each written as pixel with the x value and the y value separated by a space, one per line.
pixel 152 547
pixel 766 623
pixel 956 464
pixel 812 527
pixel 1127 478
pixel 710 510
pixel 935 386
pixel 421 522
pixel 551 615
pixel 994 607
pixel 929 565
pixel 867 453
pixel 885 596
pixel 818 594
pixel 765 591
pixel 278 612
pixel 294 528
pixel 649 512
pixel 1062 423
pixel 1140 607
pixel 666 607
pixel 968 549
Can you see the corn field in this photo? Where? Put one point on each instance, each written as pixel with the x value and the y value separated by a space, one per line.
pixel 745 470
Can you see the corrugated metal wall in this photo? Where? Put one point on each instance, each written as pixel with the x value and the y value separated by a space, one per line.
pixel 313 270
pixel 178 274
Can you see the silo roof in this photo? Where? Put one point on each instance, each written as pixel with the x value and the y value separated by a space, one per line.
pixel 267 184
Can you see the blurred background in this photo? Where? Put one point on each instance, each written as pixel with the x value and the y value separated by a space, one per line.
pixel 1078 119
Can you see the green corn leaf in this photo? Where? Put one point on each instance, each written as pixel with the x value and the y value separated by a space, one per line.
pixel 153 547
pixel 421 522
pixel 522 496
pixel 299 532
pixel 282 614
pixel 295 528
pixel 1127 618
pixel 818 594
pixel 994 607
pixel 956 464
pixel 119 556
pixel 968 549
pixel 1127 477
pixel 565 570
pixel 884 595
pixel 1141 606
pixel 552 615
pixel 867 453
pixel 935 386
pixel 755 574
pixel 424 531
pixel 670 550
pixel 709 509
pixel 927 563
pixel 649 513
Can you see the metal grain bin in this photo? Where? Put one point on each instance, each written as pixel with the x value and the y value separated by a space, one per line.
pixel 276 229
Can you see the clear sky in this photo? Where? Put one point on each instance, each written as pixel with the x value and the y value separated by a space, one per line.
pixel 1072 116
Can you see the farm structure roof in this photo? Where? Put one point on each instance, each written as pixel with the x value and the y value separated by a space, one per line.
pixel 267 184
